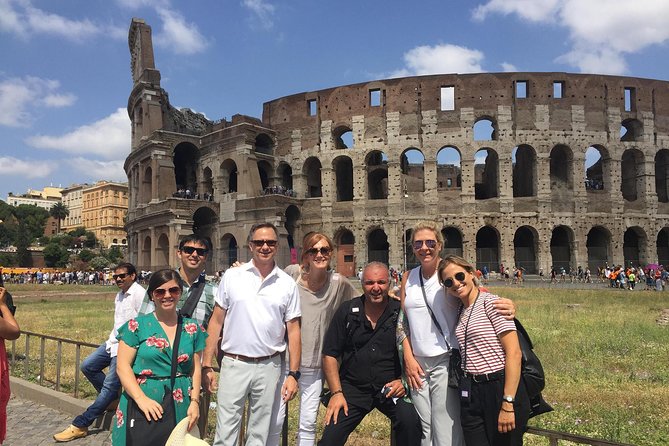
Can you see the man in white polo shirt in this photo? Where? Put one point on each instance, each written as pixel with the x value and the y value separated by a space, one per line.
pixel 256 305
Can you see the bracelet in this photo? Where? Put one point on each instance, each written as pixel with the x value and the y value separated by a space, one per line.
pixel 195 400
pixel 336 392
pixel 207 368
pixel 507 411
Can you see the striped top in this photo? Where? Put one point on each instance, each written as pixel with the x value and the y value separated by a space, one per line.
pixel 483 352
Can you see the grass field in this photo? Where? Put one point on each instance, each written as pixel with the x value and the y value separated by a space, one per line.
pixel 605 355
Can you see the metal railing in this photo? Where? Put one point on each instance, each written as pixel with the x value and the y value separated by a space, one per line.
pixel 553 436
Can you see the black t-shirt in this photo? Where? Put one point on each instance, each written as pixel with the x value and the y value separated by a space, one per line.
pixel 366 366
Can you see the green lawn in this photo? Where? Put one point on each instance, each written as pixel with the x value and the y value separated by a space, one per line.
pixel 605 356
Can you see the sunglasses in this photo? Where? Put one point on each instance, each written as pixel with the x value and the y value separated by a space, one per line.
pixel 161 292
pixel 324 251
pixel 417 244
pixel 120 276
pixel 261 243
pixel 191 249
pixel 460 277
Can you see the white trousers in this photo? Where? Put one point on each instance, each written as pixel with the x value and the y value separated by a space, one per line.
pixel 311 385
pixel 438 406
pixel 238 382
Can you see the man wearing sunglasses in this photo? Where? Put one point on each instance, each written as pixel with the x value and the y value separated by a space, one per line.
pixel 126 306
pixel 197 298
pixel 257 305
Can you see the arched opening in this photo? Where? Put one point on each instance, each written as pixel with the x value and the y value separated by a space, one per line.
pixel 377 246
pixel 561 246
pixel 631 130
pixel 662 246
pixel 147 183
pixel 597 168
pixel 229 250
pixel 265 172
pixel 525 249
pixel 292 216
pixel 632 175
pixel 561 168
pixel 634 246
pixel 343 170
pixel 186 159
pixel 524 163
pixel 452 241
pixel 264 144
pixel 285 174
pixel 486 168
pixel 485 129
pixel 487 248
pixel 207 181
pixel 146 254
pixel 449 175
pixel 343 137
pixel 598 244
pixel 229 176
pixel 312 172
pixel 662 175
pixel 412 169
pixel 163 252
pixel 377 175
pixel 345 241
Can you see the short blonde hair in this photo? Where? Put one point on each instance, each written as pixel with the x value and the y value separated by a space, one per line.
pixel 430 225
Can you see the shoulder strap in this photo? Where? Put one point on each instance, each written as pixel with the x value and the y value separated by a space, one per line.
pixel 434 319
pixel 194 294
pixel 175 351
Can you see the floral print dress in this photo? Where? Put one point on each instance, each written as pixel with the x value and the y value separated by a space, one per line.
pixel 153 365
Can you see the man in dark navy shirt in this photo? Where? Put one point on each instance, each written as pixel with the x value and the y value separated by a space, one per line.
pixel 362 336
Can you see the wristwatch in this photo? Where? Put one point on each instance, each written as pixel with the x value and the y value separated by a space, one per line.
pixel 295 374
pixel 509 399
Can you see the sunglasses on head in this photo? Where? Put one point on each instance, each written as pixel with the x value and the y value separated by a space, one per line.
pixel 460 277
pixel 261 243
pixel 191 249
pixel 161 292
pixel 324 251
pixel 120 276
pixel 417 244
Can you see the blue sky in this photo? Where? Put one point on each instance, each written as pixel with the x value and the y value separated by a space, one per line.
pixel 65 65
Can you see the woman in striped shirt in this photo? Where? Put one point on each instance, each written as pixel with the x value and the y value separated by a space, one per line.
pixel 494 406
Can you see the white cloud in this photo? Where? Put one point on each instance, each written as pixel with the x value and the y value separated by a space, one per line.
pixel 444 58
pixel 262 10
pixel 179 35
pixel 108 138
pixel 10 166
pixel 508 67
pixel 532 10
pixel 20 18
pixel 19 95
pixel 602 32
pixel 96 170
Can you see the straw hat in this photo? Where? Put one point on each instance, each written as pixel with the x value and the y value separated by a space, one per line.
pixel 181 437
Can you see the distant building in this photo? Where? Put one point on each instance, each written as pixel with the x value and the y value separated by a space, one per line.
pixel 44 198
pixel 73 199
pixel 104 206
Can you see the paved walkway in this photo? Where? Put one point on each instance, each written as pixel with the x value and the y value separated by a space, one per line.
pixel 33 424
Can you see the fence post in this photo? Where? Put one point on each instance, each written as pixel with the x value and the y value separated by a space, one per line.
pixel 27 364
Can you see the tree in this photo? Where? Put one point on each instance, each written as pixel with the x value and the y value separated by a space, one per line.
pixel 23 257
pixel 86 255
pixel 55 255
pixel 33 217
pixel 99 262
pixel 60 212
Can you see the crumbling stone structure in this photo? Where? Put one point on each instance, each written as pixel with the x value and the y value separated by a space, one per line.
pixel 527 169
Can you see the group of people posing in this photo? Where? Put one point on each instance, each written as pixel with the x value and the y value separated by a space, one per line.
pixel 279 333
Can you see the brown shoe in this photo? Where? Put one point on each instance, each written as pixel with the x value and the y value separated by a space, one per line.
pixel 71 433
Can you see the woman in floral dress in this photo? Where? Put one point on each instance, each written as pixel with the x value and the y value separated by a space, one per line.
pixel 145 357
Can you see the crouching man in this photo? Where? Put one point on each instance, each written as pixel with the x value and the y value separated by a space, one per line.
pixel 362 336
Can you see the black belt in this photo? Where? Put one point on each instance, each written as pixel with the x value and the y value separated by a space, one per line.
pixel 485 377
pixel 249 359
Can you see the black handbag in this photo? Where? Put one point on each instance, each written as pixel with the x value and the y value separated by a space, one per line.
pixel 455 372
pixel 532 373
pixel 140 431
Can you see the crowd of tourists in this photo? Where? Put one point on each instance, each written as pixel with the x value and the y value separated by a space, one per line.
pixel 39 276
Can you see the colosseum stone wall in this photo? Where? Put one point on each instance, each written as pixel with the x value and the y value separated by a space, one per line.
pixel 527 169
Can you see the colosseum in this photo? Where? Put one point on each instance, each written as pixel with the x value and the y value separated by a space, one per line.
pixel 528 169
